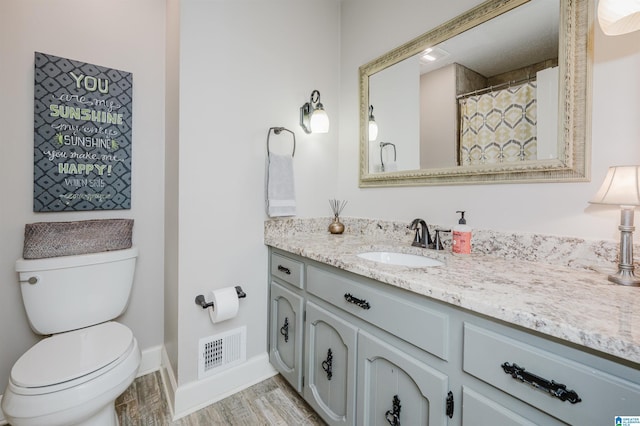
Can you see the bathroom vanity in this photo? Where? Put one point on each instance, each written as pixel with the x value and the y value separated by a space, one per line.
pixel 478 340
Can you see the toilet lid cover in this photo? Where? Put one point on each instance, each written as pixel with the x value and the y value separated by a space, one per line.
pixel 68 356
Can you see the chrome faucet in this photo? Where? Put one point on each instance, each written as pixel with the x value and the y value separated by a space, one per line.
pixel 422 237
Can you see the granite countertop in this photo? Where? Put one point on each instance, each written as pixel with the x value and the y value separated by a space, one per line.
pixel 576 305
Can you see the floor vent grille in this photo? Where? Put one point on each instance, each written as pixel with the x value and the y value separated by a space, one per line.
pixel 222 351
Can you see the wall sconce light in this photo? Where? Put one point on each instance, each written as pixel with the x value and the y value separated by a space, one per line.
pixel 618 17
pixel 313 117
pixel 621 187
pixel 373 126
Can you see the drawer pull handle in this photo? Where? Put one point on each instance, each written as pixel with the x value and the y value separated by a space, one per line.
pixel 284 330
pixel 555 389
pixel 393 415
pixel 327 364
pixel 283 269
pixel 358 302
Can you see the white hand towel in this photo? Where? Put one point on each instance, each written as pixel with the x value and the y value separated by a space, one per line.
pixel 391 167
pixel 387 167
pixel 281 194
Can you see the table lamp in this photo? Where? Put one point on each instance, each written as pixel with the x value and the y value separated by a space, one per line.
pixel 621 187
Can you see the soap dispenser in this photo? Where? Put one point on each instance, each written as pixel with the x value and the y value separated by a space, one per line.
pixel 461 241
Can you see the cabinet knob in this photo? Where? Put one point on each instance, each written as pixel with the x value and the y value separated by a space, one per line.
pixel 284 330
pixel 450 405
pixel 327 364
pixel 393 415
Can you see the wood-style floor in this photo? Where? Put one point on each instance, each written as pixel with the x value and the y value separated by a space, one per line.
pixel 271 402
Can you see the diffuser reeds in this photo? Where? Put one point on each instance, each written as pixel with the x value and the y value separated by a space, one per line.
pixel 337 206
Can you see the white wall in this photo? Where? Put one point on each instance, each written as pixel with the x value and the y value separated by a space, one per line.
pixel 172 180
pixel 372 27
pixel 124 35
pixel 395 95
pixel 245 66
pixel 438 117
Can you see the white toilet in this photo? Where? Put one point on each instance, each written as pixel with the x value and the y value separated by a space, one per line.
pixel 74 376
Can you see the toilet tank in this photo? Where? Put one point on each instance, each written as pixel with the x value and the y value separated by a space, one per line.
pixel 70 292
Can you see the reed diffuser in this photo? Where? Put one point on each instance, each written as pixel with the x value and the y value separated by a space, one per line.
pixel 336 226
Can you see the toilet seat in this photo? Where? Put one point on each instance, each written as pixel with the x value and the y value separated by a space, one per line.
pixel 87 400
pixel 72 358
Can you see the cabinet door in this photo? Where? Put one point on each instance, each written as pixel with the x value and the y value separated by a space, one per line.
pixel 285 336
pixel 395 388
pixel 330 381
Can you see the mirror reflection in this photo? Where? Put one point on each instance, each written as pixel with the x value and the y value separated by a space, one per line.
pixel 478 95
pixel 472 99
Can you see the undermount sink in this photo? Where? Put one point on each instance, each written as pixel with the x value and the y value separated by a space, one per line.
pixel 400 259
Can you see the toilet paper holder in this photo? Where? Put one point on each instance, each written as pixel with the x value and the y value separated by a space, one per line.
pixel 200 300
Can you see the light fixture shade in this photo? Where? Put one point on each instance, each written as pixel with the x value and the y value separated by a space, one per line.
pixel 373 130
pixel 373 126
pixel 621 187
pixel 619 16
pixel 319 121
pixel 313 118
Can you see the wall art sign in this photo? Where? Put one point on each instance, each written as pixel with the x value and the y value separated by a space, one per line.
pixel 82 136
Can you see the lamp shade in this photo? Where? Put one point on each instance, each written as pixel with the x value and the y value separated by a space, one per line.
pixel 619 16
pixel 621 187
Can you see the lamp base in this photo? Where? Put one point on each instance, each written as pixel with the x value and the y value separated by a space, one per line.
pixel 625 277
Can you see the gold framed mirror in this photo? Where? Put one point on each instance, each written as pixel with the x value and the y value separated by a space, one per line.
pixel 552 143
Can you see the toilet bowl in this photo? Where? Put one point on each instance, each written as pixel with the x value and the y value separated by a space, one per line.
pixel 72 378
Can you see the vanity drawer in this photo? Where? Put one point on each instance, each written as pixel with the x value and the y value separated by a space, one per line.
pixel 480 410
pixel 288 270
pixel 416 324
pixel 602 395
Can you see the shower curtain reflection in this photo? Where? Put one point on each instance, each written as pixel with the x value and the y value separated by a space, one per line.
pixel 499 126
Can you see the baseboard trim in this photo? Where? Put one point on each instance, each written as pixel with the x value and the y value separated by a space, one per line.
pixel 169 382
pixel 151 361
pixel 193 396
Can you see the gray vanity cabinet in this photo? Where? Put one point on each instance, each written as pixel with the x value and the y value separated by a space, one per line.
pixel 331 366
pixel 286 320
pixel 395 388
pixel 285 334
pixel 375 354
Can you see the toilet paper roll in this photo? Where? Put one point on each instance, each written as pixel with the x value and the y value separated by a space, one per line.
pixel 225 304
